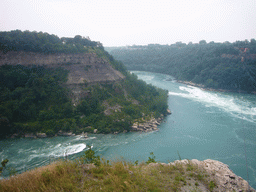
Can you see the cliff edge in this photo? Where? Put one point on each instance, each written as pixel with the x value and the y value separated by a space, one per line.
pixel 83 175
pixel 84 68
pixel 223 177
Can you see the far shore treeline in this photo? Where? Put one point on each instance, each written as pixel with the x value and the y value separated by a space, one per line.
pixel 34 99
pixel 229 66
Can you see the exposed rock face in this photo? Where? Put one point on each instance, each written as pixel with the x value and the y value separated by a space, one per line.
pixel 41 135
pixel 85 68
pixel 60 133
pixel 224 178
pixel 29 135
pixel 111 109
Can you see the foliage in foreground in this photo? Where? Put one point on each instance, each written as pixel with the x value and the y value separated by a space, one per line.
pixel 109 176
pixel 3 163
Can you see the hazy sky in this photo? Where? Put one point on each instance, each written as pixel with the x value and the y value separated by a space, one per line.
pixel 140 22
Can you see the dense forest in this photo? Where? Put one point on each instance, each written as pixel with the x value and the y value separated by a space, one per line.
pixel 34 99
pixel 230 66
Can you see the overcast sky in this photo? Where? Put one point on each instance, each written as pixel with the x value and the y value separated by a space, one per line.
pixel 140 22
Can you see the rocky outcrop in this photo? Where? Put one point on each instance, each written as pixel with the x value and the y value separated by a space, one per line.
pixel 30 135
pixel 147 126
pixel 109 110
pixel 220 173
pixel 144 125
pixel 169 112
pixel 84 135
pixel 41 135
pixel 60 133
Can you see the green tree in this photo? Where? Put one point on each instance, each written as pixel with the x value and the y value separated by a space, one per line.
pixel 202 42
pixel 90 157
pixel 3 163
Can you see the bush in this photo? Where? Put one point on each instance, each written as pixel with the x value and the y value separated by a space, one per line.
pixel 151 159
pixel 90 157
pixel 3 163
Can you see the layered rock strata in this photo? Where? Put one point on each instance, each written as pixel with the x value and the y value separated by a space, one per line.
pixel 84 68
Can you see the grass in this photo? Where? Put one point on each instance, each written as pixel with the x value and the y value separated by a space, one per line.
pixel 108 176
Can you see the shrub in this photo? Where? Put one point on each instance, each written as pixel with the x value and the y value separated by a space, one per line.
pixel 151 159
pixel 90 157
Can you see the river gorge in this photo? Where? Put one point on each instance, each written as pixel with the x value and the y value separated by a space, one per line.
pixel 203 125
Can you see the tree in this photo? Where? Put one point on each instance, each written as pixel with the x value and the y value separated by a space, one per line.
pixel 5 126
pixel 202 42
pixel 253 41
pixel 3 163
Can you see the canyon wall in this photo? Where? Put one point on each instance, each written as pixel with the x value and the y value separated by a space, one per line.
pixel 85 68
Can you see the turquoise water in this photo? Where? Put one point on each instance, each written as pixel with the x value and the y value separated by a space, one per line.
pixel 203 125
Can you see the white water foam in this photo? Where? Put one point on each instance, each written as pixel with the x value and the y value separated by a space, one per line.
pixel 57 151
pixel 90 138
pixel 79 137
pixel 68 150
pixel 75 149
pixel 146 77
pixel 58 145
pixel 223 102
pixel 143 76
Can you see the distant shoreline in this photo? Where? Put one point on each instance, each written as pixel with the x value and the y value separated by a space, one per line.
pixel 198 85
pixel 211 89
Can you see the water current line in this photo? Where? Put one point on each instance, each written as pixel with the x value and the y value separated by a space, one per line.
pixel 245 68
pixel 245 154
pixel 245 150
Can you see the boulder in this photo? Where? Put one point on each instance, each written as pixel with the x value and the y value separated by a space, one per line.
pixel 169 112
pixel 84 134
pixel 60 133
pixel 14 135
pixel 29 135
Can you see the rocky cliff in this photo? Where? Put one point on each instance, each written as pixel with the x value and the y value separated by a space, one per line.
pixel 85 68
pixel 223 177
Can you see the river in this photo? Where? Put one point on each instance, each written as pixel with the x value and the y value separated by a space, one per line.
pixel 203 125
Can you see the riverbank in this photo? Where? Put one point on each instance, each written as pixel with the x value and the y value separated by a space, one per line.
pixel 43 135
pixel 142 125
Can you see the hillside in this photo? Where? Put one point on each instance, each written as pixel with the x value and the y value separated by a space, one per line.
pixel 229 66
pixel 50 84
pixel 84 68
